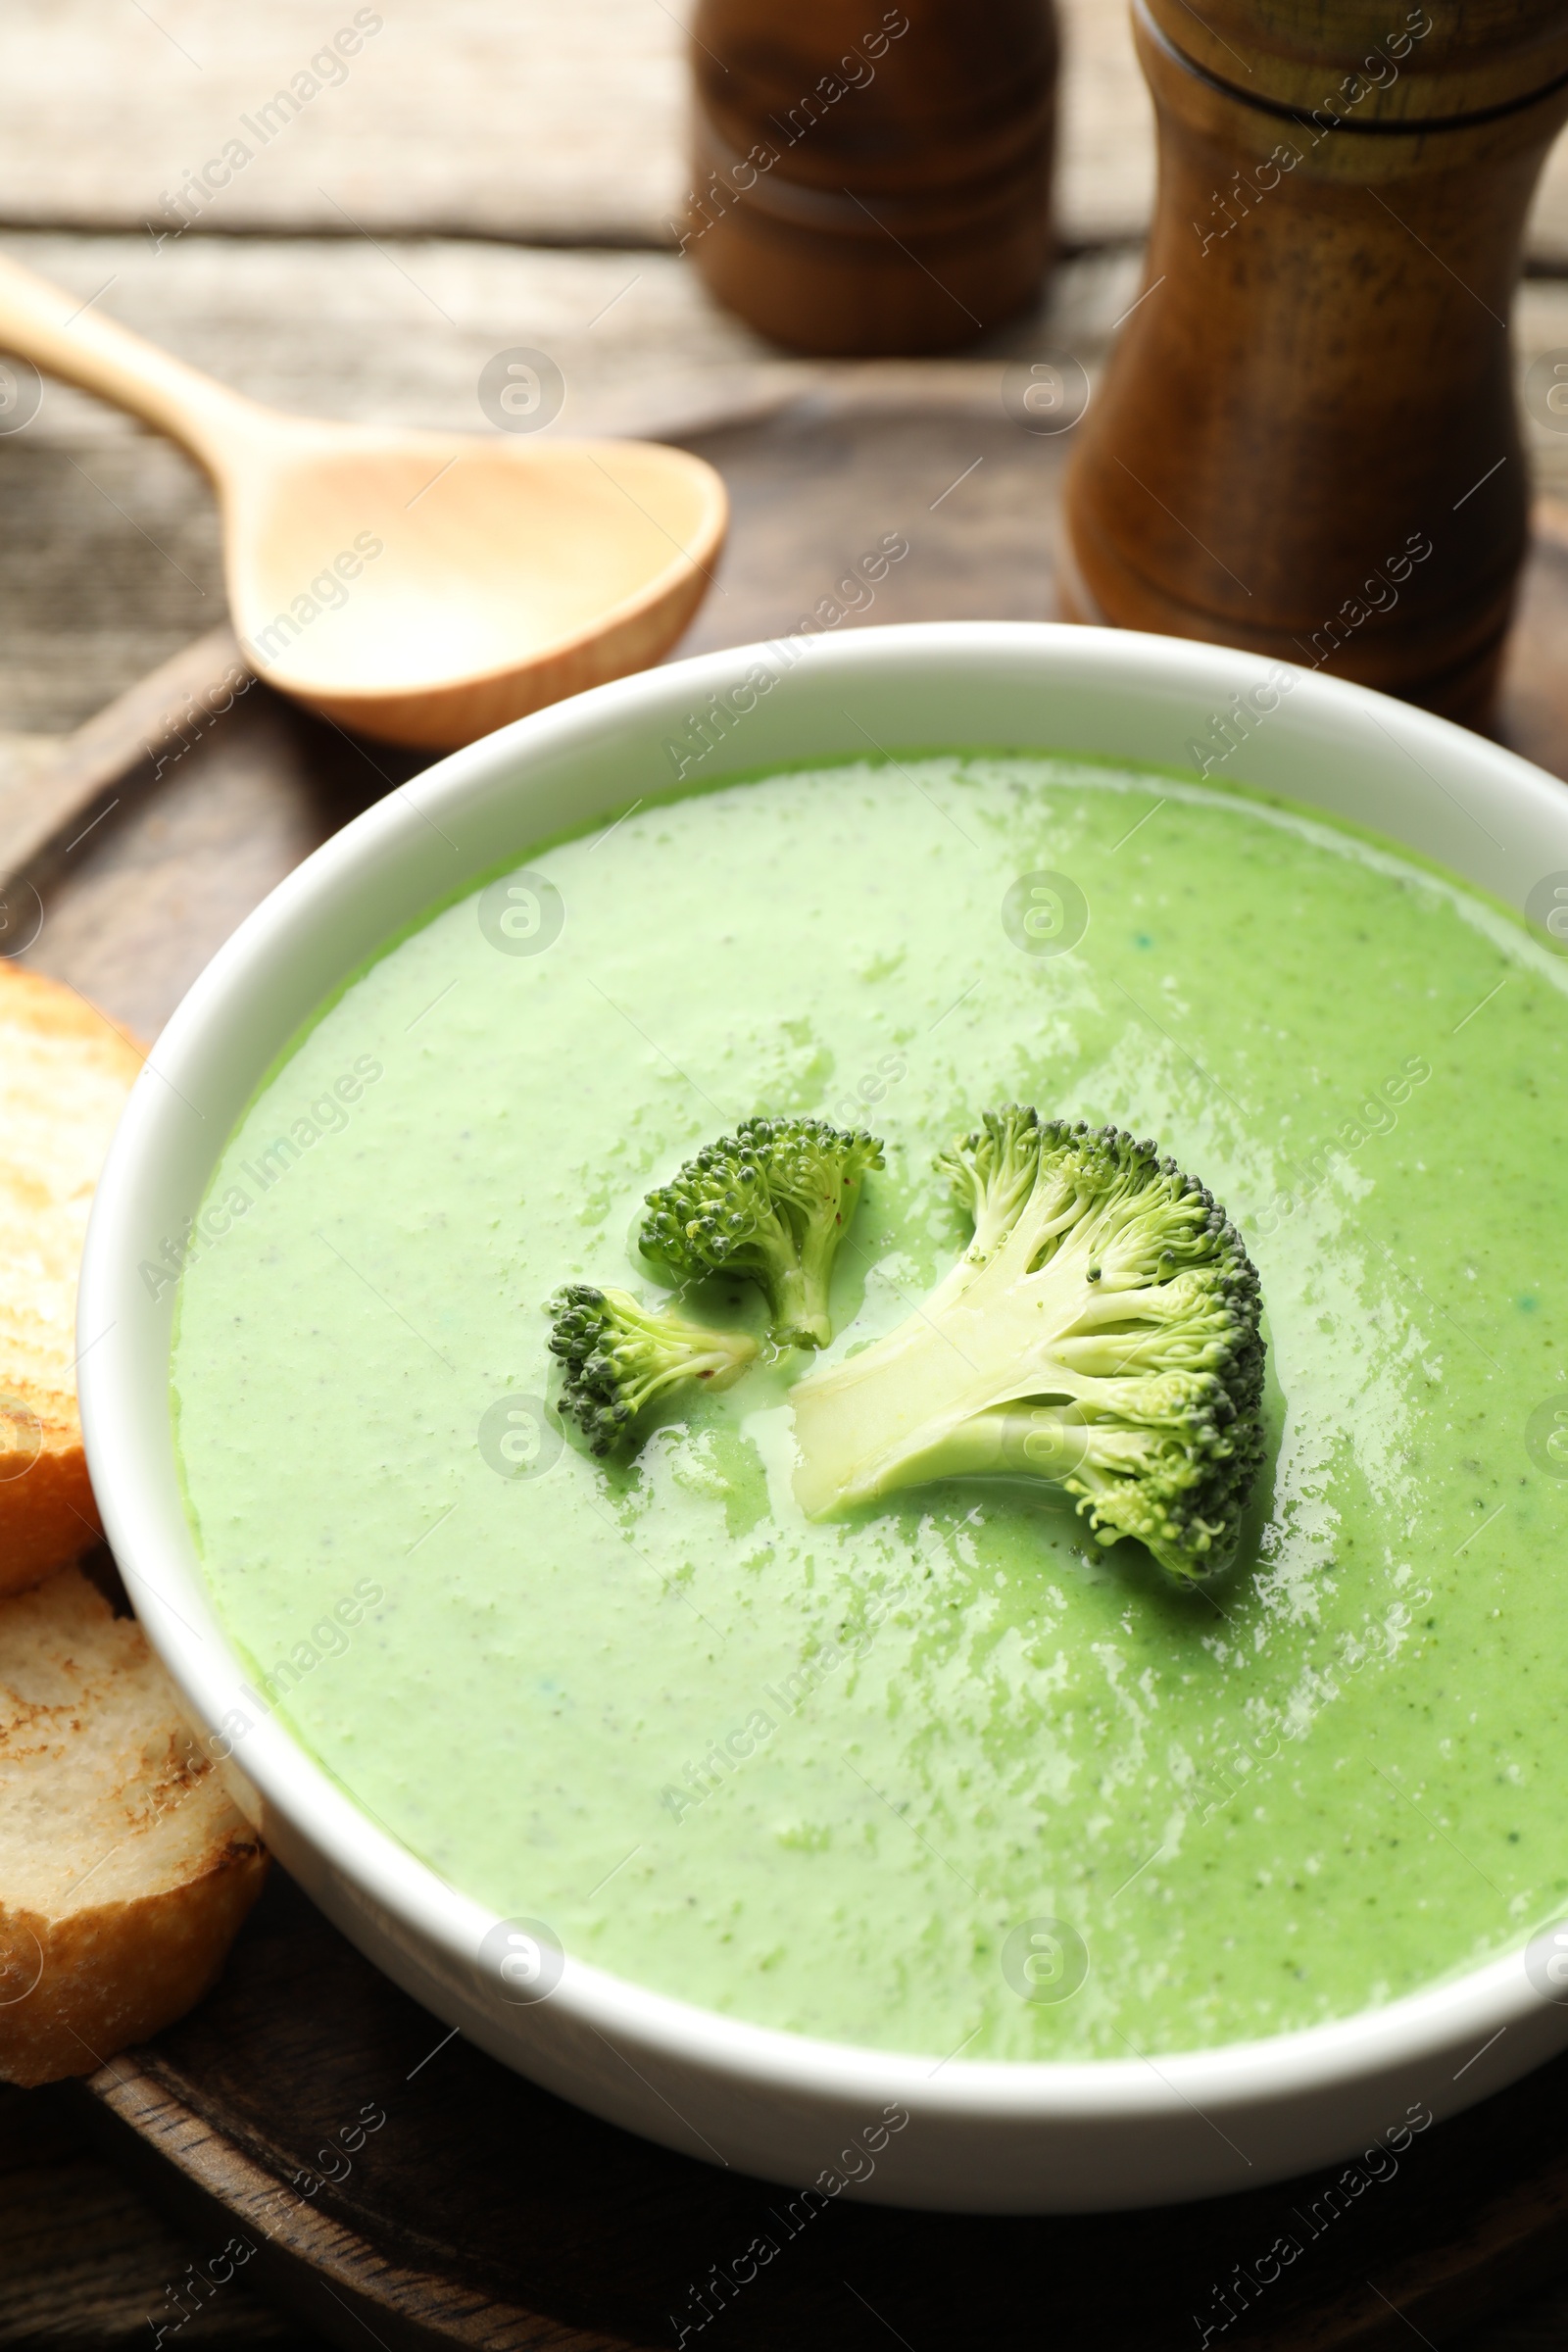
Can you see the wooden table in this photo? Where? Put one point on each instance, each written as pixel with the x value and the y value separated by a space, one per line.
pixel 362 267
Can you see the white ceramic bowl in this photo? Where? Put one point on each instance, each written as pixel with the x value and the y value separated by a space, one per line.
pixel 987 2136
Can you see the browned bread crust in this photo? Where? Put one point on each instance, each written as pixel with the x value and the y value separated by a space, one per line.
pixel 64 1072
pixel 124 1868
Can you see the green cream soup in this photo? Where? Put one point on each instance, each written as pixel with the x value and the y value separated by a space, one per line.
pixel 833 1777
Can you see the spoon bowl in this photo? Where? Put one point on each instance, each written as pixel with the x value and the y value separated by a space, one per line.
pixel 417 586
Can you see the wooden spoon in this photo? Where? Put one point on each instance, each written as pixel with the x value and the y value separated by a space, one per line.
pixel 423 587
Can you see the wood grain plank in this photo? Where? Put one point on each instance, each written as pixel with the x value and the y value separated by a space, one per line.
pixel 542 123
pixel 109 546
pixel 399 332
pixel 538 121
pixel 86 2262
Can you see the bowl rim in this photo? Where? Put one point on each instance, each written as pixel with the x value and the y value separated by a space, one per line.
pixel 408 1897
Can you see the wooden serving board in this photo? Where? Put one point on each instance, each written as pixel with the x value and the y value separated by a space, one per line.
pixel 466 2207
pixel 316 2132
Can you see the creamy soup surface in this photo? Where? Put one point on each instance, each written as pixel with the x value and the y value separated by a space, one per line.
pixel 840 1778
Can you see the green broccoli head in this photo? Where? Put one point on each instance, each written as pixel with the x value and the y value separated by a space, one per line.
pixel 1102 1332
pixel 620 1357
pixel 771 1201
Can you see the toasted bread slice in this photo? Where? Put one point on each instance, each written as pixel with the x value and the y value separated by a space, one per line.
pixel 64 1072
pixel 124 1869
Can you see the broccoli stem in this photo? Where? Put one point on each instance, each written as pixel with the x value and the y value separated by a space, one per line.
pixel 799 1291
pixel 1024 1440
pixel 899 1412
pixel 1100 1334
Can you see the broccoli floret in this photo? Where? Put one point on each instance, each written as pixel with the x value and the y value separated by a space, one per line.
pixel 619 1355
pixel 771 1201
pixel 1101 1332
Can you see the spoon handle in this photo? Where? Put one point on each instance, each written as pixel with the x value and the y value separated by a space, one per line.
pixel 68 338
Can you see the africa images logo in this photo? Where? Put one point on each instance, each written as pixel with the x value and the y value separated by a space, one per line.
pixel 524 1958
pixel 1546 1963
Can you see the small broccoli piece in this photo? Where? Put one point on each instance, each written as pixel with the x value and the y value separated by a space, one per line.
pixel 992 1172
pixel 619 1355
pixel 1101 1332
pixel 771 1201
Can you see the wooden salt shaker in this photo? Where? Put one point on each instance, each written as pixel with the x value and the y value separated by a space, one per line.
pixel 872 179
pixel 1306 441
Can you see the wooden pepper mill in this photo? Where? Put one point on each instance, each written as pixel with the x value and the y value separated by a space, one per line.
pixel 1306 441
pixel 871 178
